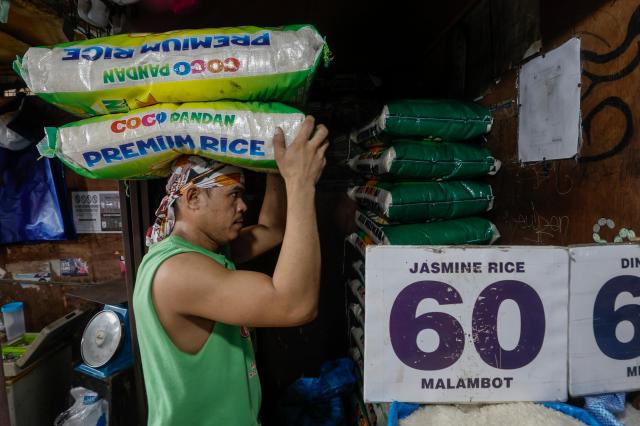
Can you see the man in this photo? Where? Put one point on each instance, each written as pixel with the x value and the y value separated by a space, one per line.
pixel 191 305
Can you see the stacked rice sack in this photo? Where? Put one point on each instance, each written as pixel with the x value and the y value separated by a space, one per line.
pixel 153 97
pixel 423 161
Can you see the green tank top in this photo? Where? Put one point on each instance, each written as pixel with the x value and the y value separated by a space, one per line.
pixel 217 386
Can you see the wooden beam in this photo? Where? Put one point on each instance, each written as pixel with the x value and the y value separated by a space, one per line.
pixel 34 24
pixel 134 247
pixel 10 47
pixel 452 23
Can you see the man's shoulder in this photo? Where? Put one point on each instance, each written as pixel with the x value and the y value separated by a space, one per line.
pixel 188 266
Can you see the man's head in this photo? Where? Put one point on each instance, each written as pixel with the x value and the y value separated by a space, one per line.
pixel 216 212
pixel 204 195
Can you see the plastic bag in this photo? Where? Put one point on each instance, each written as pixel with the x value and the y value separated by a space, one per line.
pixel 33 197
pixel 318 401
pixel 87 410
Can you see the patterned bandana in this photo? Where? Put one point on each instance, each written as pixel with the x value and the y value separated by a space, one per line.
pixel 187 172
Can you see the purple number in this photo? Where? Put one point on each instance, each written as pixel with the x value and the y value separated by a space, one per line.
pixel 404 326
pixel 485 329
pixel 606 318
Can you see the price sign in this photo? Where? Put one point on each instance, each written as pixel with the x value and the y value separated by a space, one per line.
pixel 96 212
pixel 604 328
pixel 466 324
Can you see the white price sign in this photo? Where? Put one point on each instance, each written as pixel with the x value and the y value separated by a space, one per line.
pixel 604 329
pixel 466 324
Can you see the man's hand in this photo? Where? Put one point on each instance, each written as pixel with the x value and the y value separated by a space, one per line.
pixel 302 161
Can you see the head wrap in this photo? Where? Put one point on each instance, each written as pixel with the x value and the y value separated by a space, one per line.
pixel 187 172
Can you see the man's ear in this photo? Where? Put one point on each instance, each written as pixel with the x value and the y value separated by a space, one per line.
pixel 192 198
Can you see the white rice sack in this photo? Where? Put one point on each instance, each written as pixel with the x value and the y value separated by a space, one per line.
pixel 143 143
pixel 128 71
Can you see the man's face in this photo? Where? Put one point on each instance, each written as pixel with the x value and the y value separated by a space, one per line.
pixel 222 212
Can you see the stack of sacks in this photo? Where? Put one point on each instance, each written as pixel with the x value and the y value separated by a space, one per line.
pixel 421 189
pixel 421 192
pixel 164 95
pixel 364 414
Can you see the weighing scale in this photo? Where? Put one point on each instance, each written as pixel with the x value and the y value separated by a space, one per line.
pixel 106 343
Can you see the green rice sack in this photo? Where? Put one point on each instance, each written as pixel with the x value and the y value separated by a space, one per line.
pixel 408 159
pixel 437 119
pixel 143 143
pixel 411 202
pixel 469 230
pixel 128 71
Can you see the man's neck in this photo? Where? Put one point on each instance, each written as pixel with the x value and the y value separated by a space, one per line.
pixel 195 236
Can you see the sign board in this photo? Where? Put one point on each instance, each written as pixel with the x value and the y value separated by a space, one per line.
pixel 604 321
pixel 549 99
pixel 460 324
pixel 96 212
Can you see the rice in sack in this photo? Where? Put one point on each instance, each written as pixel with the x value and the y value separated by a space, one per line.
pixel 446 119
pixel 410 202
pixel 469 230
pixel 143 143
pixel 123 72
pixel 409 159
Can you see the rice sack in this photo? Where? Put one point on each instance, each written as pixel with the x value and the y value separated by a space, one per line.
pixel 469 230
pixel 358 267
pixel 359 240
pixel 437 119
pixel 408 159
pixel 410 202
pixel 358 313
pixel 143 143
pixel 123 72
pixel 357 289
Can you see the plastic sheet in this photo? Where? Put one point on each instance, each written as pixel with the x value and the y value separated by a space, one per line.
pixel 33 198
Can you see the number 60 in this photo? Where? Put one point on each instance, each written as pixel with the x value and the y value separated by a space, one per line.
pixel 404 326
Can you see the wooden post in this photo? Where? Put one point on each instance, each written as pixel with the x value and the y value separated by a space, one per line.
pixel 134 207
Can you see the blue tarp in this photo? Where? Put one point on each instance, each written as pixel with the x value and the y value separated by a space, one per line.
pixel 32 192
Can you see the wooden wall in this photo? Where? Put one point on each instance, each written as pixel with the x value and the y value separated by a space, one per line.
pixel 559 202
pixel 45 303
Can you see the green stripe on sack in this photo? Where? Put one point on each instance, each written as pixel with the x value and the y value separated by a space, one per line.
pixel 470 230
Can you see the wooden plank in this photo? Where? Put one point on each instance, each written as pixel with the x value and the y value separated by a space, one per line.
pixel 559 202
pixel 75 182
pixel 132 250
pixel 10 47
pixel 102 251
pixel 22 16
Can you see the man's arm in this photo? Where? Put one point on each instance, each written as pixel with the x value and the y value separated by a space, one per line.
pixel 269 231
pixel 191 284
